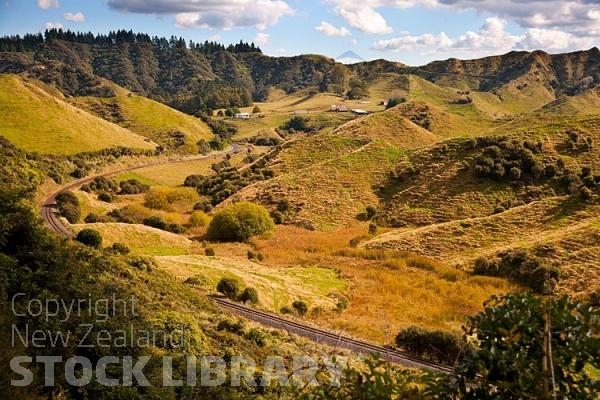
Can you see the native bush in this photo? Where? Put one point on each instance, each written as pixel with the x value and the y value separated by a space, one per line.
pixel 239 222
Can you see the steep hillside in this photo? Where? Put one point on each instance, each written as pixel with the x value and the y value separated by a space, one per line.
pixel 168 127
pixel 35 120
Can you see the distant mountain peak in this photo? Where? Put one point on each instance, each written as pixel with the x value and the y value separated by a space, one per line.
pixel 349 57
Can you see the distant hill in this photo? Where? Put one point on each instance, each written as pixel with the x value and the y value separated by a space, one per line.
pixel 568 73
pixel 200 76
pixel 349 57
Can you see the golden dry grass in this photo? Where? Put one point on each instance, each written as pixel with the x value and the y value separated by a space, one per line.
pixel 141 239
pixel 277 286
pixel 387 291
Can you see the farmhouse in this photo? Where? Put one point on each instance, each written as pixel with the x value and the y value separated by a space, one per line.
pixel 242 116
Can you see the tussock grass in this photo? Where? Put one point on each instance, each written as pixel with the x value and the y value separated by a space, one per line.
pixel 388 290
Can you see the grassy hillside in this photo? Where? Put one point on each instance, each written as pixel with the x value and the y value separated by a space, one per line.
pixel 36 120
pixel 444 209
pixel 331 187
pixel 147 118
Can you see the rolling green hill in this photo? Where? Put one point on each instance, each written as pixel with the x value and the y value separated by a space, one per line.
pixel 164 125
pixel 36 118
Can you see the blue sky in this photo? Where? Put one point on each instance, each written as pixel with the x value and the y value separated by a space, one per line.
pixel 410 31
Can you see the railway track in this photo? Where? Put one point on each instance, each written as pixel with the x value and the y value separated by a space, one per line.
pixel 317 335
pixel 329 338
pixel 47 211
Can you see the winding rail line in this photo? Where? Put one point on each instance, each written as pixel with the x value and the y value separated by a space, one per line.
pixel 317 335
pixel 326 337
pixel 49 205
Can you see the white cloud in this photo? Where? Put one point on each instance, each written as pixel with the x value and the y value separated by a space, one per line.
pixel 553 40
pixel 580 18
pixel 213 14
pixel 74 17
pixel 492 36
pixel 214 38
pixel 261 38
pixel 410 43
pixel 46 4
pixel 54 25
pixel 363 17
pixel 329 30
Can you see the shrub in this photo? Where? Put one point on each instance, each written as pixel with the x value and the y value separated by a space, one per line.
pixel 585 193
pixel 105 197
pixel 155 221
pixel 394 101
pixel 286 310
pixel 441 346
pixel 278 217
pixel 199 219
pixel 66 196
pixel 193 180
pixel 209 252
pixel 236 327
pixel 71 212
pixel 522 267
pixel 133 186
pixel 161 198
pixel 79 173
pixel 296 123
pixel 300 307
pixel 156 199
pixel 228 287
pixel 118 248
pixel 89 237
pixel 499 209
pixel 256 110
pixel 192 281
pixel 91 218
pixel 515 173
pixel 249 295
pixel 256 336
pixel 283 205
pixel 239 222
pixel 175 228
pixel 371 212
pixel 372 228
pixel 100 184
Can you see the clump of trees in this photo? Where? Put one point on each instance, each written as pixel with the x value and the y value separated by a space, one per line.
pixel 239 222
pixel 522 267
pixel 295 124
pixel 437 345
pixel 68 206
pixel 510 160
pixel 231 288
pixel 229 180
pixel 156 221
